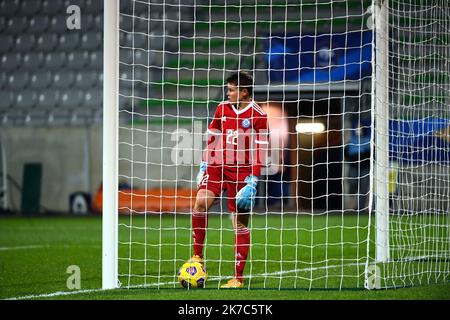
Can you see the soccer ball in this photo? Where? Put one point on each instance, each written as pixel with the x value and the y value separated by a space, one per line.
pixel 192 275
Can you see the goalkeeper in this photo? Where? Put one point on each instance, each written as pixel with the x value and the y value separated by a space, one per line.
pixel 236 150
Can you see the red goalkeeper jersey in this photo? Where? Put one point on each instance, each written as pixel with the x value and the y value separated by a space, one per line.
pixel 238 139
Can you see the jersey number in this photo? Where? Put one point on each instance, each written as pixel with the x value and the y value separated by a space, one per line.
pixel 232 136
pixel 204 180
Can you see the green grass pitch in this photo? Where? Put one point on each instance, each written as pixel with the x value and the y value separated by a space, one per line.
pixel 320 253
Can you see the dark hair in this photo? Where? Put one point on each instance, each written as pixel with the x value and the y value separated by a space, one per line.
pixel 242 80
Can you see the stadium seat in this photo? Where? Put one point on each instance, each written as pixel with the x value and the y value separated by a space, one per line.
pixel 39 24
pixel 125 7
pixel 93 98
pixel 80 3
pixel 63 79
pixel 6 43
pixel 3 79
pixel 97 116
pixel 46 42
pixel 16 25
pixel 71 98
pixel 77 59
pixel 93 6
pixel 26 99
pixel 87 22
pixel 6 99
pixel 41 80
pixel 86 79
pixel 125 100
pixel 9 8
pixel 69 41
pixel 59 116
pixel 25 43
pixel 14 116
pixel 141 40
pixel 136 40
pixel 81 116
pixel 96 60
pixel 143 57
pixel 52 7
pixel 126 55
pixel 98 23
pixel 91 40
pixel 125 80
pixel 18 80
pixel 126 23
pixel 10 61
pixel 140 76
pixel 93 23
pixel 124 103
pixel 48 99
pixel 33 60
pixel 55 60
pixel 36 116
pixel 143 25
pixel 142 7
pixel 3 24
pixel 30 7
pixel 124 38
pixel 58 24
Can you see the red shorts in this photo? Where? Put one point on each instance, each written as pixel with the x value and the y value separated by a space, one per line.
pixel 221 178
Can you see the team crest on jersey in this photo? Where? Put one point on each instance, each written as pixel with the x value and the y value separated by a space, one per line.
pixel 246 123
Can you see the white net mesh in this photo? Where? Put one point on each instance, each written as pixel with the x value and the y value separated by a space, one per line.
pixel 419 120
pixel 311 62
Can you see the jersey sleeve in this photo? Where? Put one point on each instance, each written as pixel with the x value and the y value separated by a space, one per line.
pixel 215 124
pixel 214 132
pixel 261 143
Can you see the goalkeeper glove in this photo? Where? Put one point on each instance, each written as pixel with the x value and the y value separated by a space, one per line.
pixel 201 172
pixel 245 198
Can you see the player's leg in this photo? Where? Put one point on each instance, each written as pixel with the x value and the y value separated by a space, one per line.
pixel 241 243
pixel 199 219
pixel 210 188
pixel 240 221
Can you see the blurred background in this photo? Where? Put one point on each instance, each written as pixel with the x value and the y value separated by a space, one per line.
pixel 172 68
pixel 311 61
pixel 50 104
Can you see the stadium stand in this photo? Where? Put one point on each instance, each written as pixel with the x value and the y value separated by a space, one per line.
pixel 41 58
pixel 50 75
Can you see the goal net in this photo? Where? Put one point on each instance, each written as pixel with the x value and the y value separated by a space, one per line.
pixel 355 193
pixel 416 75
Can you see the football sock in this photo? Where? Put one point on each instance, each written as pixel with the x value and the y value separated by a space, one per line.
pixel 241 246
pixel 199 225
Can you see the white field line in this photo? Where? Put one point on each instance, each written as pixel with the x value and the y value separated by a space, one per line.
pixel 43 246
pixel 38 246
pixel 67 293
pixel 22 247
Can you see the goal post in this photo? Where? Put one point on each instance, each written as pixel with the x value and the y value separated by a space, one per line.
pixel 110 144
pixel 381 84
